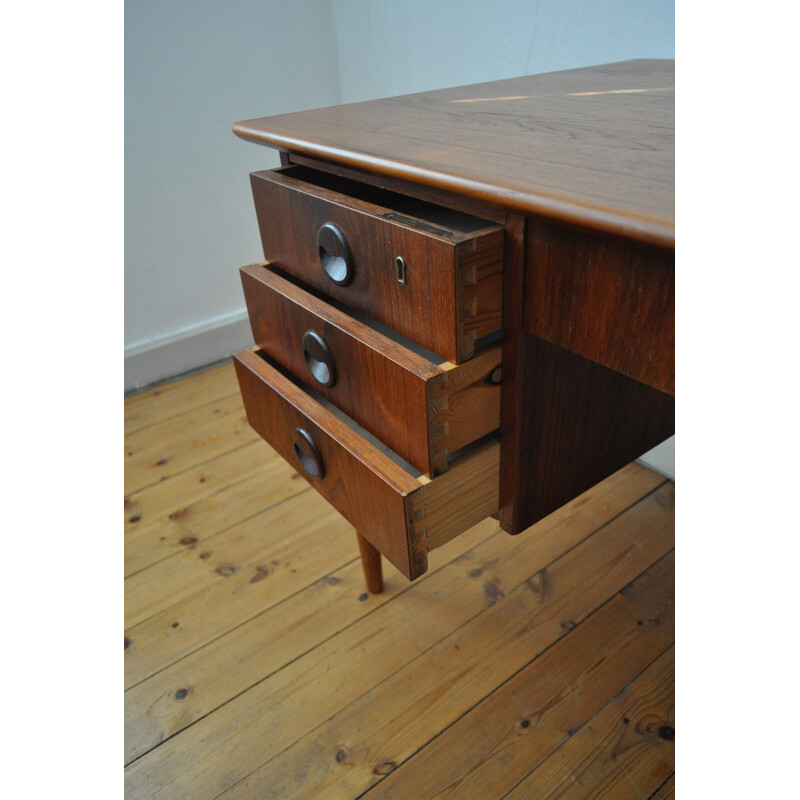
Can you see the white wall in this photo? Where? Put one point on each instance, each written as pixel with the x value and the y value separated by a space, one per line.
pixel 403 46
pixel 193 67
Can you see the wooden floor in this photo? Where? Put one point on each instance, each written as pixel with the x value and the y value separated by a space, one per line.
pixel 533 666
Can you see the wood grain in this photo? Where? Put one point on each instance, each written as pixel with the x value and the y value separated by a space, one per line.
pixel 464 404
pixel 169 400
pixel 168 517
pixel 379 383
pixel 666 791
pixel 292 204
pixel 254 686
pixel 582 175
pixel 479 290
pixel 371 737
pixel 221 669
pixel 460 202
pixel 399 515
pixel 384 386
pixel 490 748
pixel 362 483
pixel 285 630
pixel 604 297
pixel 371 563
pixel 514 416
pixel 193 568
pixel 592 147
pixel 295 544
pixel 457 500
pixel 579 423
pixel 169 447
pixel 624 752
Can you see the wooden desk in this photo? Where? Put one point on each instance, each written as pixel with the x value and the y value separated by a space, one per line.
pixel 577 168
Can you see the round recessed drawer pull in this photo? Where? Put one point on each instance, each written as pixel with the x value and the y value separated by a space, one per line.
pixel 307 454
pixel 319 359
pixel 335 255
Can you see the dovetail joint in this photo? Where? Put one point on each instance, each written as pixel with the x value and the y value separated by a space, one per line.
pixel 469 276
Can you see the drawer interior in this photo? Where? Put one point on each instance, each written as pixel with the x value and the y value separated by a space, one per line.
pixel 371 440
pixel 435 219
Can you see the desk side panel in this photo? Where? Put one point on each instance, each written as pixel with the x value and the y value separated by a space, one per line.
pixel 604 297
pixel 577 422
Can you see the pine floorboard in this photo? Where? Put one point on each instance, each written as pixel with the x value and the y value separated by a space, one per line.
pixel 257 666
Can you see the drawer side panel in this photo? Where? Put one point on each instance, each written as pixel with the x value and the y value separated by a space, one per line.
pixel 481 290
pixel 466 494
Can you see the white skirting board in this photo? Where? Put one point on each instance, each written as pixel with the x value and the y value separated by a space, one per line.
pixel 661 458
pixel 186 350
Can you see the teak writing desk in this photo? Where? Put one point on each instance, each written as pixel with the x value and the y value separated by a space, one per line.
pixel 467 302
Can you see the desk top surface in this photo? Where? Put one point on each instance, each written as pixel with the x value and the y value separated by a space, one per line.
pixel 592 146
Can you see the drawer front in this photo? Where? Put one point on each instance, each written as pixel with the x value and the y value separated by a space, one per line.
pixel 401 515
pixel 423 410
pixel 345 238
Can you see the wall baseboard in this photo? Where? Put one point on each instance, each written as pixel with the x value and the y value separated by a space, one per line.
pixel 186 350
pixel 661 458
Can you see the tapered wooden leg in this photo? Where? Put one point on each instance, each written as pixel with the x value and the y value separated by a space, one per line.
pixel 371 561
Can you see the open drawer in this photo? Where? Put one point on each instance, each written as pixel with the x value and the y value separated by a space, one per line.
pixel 420 405
pixel 403 514
pixel 431 273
